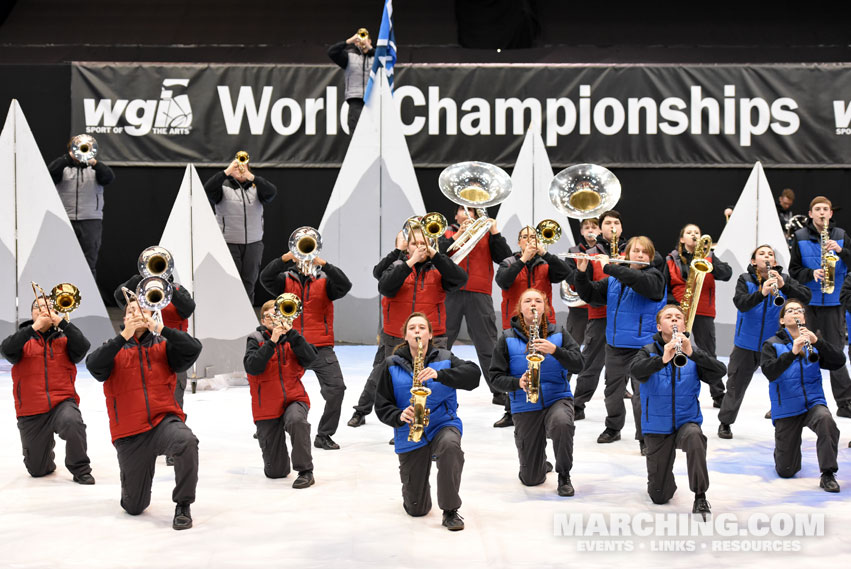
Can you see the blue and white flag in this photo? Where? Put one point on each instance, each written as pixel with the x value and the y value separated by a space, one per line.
pixel 385 50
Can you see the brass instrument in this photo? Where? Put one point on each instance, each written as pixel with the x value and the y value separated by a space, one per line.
pixel 679 359
pixel 474 185
pixel 155 261
pixel 287 308
pixel 584 190
pixel 83 148
pixel 40 295
pixel 775 294
pixel 812 355
pixel 419 397
pixel 242 160
pixel 614 253
pixel 65 298
pixel 828 260
pixel 154 294
pixel 305 243
pixel 432 225
pixel 594 258
pixel 548 232
pixel 795 223
pixel 363 33
pixel 534 360
pixel 699 267
pixel 569 295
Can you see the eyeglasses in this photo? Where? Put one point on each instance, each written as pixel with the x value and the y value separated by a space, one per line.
pixel 795 311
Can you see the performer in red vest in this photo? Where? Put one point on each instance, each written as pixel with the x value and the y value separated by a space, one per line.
pixel 44 353
pixel 137 368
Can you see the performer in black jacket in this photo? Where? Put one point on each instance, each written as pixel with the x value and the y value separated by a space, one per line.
pixel 355 56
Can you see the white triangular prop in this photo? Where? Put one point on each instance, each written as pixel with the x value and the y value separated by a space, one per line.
pixel 375 192
pixel 223 314
pixel 47 248
pixel 754 222
pixel 8 282
pixel 529 202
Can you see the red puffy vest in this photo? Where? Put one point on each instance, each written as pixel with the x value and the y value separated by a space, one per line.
pixel 44 377
pixel 279 384
pixel 677 286
pixel 140 389
pixel 597 312
pixel 421 292
pixel 172 319
pixel 539 279
pixel 478 265
pixel 316 322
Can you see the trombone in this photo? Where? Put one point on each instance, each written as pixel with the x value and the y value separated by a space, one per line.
pixel 64 298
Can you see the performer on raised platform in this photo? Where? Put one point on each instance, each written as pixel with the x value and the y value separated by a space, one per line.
pixel 539 392
pixel 355 56
pixel 418 362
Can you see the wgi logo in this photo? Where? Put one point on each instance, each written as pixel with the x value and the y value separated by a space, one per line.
pixel 842 116
pixel 171 114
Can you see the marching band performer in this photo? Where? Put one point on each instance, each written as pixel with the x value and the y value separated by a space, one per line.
pixel 577 316
pixel 633 295
pixel 531 267
pixel 318 290
pixel 792 361
pixel 137 368
pixel 677 269
pixel 670 370
pixel 275 358
pixel 759 294
pixel 542 409
pixel 440 371
pixel 805 267
pixel 44 353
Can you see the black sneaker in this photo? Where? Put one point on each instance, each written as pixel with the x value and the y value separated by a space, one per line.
pixel 357 420
pixel 768 414
pixel 565 488
pixel 724 431
pixel 182 517
pixel 84 479
pixel 844 410
pixel 392 441
pixel 580 414
pixel 701 506
pixel 169 461
pixel 506 421
pixel 716 401
pixel 549 467
pixel 452 521
pixel 304 480
pixel 627 394
pixel 642 448
pixel 609 436
pixel 828 482
pixel 325 442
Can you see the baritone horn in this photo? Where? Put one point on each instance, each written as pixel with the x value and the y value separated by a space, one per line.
pixel 476 185
pixel 305 243
pixel 83 148
pixel 241 160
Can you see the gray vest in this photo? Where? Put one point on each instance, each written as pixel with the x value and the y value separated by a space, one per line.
pixel 80 193
pixel 240 214
pixel 357 74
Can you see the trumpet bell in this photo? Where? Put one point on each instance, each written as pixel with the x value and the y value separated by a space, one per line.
pixel 154 293
pixel 305 243
pixel 83 147
pixel 475 184
pixel 65 298
pixel 155 261
pixel 548 231
pixel 288 305
pixel 242 157
pixel 584 190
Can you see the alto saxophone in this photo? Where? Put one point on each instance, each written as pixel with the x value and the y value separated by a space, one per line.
pixel 534 359
pixel 828 260
pixel 419 394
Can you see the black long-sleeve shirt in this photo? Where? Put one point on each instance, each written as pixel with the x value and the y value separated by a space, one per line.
pixel 647 282
pixel 181 351
pixel 830 357
pixel 461 374
pixel 257 356
pixel 266 190
pixel 648 361
pixel 274 276
pixel 76 347
pixel 452 276
pixel 103 173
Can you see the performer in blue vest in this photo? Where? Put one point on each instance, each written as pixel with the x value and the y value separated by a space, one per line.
pixel 633 294
pixel 670 370
pixel 806 268
pixel 792 361
pixel 756 298
pixel 442 373
pixel 551 416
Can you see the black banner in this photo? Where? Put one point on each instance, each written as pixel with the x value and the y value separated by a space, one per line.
pixel 616 115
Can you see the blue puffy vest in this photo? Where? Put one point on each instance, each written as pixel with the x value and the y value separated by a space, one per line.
pixel 631 320
pixel 798 389
pixel 752 327
pixel 554 383
pixel 669 398
pixel 811 259
pixel 442 401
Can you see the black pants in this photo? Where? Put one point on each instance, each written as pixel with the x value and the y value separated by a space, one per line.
pixel 137 456
pixel 787 441
pixel 326 366
pixel 415 468
pixel 37 440
pixel 477 309
pixel 830 325
pixel 247 259
pixel 661 451
pixel 355 109
pixel 388 344
pixel 618 361
pixel 703 332
pixel 743 364
pixel 531 431
pixel 577 321
pixel 88 232
pixel 273 442
pixel 180 388
pixel 594 355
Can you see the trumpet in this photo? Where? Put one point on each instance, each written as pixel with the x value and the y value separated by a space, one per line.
pixel 679 359
pixel 812 355
pixel 548 231
pixel 363 33
pixel 155 261
pixel 305 244
pixel 83 148
pixel 287 308
pixel 594 258
pixel 775 293
pixel 242 160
